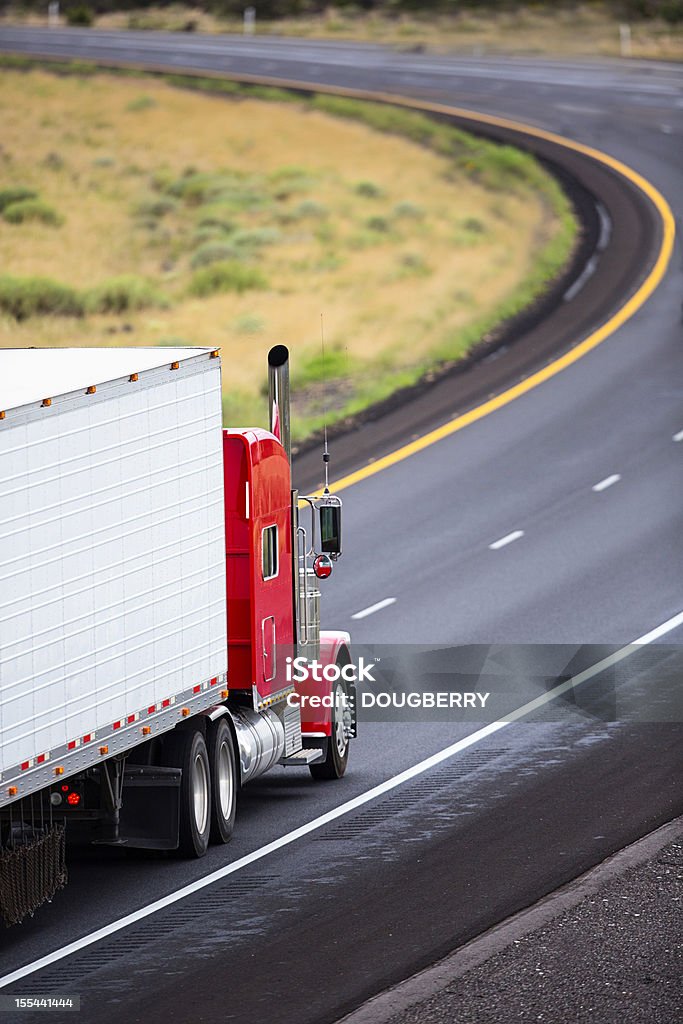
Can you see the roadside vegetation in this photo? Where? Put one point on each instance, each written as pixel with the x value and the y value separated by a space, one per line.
pixel 543 27
pixel 412 239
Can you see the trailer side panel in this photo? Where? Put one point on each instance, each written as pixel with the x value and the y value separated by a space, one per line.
pixel 112 567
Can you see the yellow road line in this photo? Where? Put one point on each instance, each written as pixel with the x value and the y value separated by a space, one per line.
pixel 630 307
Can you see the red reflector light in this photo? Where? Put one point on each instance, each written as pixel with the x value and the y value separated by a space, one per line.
pixel 322 566
pixel 74 799
pixel 196 689
pixel 214 680
pixel 65 788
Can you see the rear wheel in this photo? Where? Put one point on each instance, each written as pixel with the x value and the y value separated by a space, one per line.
pixel 337 757
pixel 186 749
pixel 223 781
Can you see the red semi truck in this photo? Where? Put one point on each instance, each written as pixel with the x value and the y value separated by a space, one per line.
pixel 158 581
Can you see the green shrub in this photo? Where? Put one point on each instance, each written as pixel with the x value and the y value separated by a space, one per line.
pixel 412 264
pixel 225 277
pixel 287 181
pixel 141 103
pixel 124 294
pixel 317 367
pixel 54 162
pixel 23 297
pixel 196 187
pixel 213 252
pixel 476 226
pixel 15 194
pixel 368 189
pixel 80 15
pixel 672 11
pixel 254 238
pixel 215 216
pixel 380 224
pixel 243 197
pixel 200 236
pixel 500 168
pixel 248 323
pixel 409 210
pixel 155 206
pixel 31 209
pixel 291 173
pixel 309 208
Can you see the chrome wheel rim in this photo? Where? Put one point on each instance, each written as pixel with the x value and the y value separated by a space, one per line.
pixel 225 787
pixel 339 714
pixel 200 793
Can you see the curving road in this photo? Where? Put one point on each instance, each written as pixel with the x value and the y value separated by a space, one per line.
pixel 553 520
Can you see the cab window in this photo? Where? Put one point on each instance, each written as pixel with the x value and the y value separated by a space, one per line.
pixel 269 559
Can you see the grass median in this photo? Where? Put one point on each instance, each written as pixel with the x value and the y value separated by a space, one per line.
pixel 189 211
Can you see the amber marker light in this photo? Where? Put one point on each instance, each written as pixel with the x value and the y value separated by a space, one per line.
pixel 146 730
pixel 59 770
pixel 12 791
pixel 185 712
pixel 91 390
pixel 133 377
pixel 47 402
pixel 174 366
pixel 104 750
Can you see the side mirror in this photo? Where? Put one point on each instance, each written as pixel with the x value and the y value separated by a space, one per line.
pixel 330 527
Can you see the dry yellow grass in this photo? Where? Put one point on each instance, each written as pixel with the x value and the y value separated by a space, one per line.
pixel 393 273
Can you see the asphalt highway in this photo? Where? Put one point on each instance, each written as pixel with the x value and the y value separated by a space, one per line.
pixel 553 520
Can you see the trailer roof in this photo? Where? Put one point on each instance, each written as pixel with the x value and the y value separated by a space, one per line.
pixel 32 374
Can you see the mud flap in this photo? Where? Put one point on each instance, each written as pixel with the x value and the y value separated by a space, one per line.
pixel 150 812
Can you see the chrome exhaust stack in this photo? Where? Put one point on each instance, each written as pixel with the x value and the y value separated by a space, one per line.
pixel 278 397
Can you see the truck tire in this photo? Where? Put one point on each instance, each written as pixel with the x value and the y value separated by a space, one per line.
pixel 223 781
pixel 337 756
pixel 186 749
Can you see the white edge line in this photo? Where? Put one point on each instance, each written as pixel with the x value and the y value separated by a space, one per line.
pixel 374 608
pixel 507 539
pixel 678 436
pixel 607 482
pixel 345 808
pixel 582 279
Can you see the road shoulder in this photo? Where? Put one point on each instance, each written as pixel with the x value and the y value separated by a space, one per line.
pixel 605 946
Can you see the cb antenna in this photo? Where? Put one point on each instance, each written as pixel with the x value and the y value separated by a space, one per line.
pixel 326 454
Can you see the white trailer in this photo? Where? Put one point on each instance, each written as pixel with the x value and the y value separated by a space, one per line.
pixel 112 569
